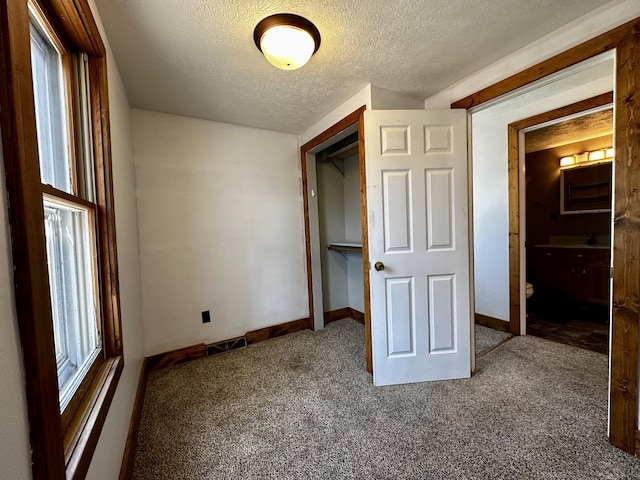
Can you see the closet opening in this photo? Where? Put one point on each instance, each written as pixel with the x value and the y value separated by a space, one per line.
pixel 338 195
pixel 333 184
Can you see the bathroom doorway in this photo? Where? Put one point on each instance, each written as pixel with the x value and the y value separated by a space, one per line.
pixel 567 212
pixel 507 302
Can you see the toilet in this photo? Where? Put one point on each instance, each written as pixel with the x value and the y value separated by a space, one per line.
pixel 529 290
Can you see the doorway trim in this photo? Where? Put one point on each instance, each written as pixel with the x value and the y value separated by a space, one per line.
pixel 623 355
pixel 356 117
pixel 515 205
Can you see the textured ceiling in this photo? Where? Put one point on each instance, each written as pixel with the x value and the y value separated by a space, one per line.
pixel 197 57
pixel 577 129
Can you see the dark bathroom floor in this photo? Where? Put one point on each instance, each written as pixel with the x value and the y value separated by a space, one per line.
pixel 581 325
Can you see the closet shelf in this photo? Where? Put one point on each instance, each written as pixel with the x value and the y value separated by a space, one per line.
pixel 348 247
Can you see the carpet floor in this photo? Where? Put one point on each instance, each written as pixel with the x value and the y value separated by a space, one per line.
pixel 303 407
pixel 488 339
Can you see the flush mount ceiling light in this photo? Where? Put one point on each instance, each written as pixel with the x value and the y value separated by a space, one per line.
pixel 288 41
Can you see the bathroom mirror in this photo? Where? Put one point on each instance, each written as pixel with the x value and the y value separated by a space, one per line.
pixel 585 189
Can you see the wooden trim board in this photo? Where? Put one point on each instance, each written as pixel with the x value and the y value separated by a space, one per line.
pixel 625 39
pixel 358 317
pixel 513 161
pixel 176 357
pixel 491 322
pixel 638 443
pixel 194 352
pixel 623 418
pixel 128 458
pixel 590 48
pixel 274 331
pixel 368 344
pixel 334 315
pixel 341 313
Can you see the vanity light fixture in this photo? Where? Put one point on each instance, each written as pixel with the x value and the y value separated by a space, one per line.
pixel 587 158
pixel 582 157
pixel 288 41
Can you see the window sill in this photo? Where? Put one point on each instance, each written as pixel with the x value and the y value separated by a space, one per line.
pixel 81 438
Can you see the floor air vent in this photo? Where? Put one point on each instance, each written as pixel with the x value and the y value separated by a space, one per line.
pixel 225 346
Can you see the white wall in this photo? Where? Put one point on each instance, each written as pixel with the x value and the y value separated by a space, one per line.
pixel 107 458
pixel 15 452
pixel 370 96
pixel 352 213
pixel 221 229
pixel 331 210
pixel 382 99
pixel 363 97
pixel 353 231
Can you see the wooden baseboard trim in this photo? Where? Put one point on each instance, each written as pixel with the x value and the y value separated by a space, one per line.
pixel 128 458
pixel 341 313
pixel 491 322
pixel 334 315
pixel 176 357
pixel 194 352
pixel 638 443
pixel 274 331
pixel 356 315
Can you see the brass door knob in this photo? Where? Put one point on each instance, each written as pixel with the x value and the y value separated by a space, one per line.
pixel 379 266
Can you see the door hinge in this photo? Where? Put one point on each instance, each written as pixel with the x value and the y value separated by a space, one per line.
pixel 611 272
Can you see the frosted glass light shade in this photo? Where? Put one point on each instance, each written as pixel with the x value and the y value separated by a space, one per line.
pixel 287 47
pixel 566 161
pixel 287 41
pixel 596 155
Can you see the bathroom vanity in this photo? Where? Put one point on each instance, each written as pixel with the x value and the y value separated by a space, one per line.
pixel 575 272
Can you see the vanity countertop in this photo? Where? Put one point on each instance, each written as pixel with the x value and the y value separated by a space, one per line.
pixel 596 246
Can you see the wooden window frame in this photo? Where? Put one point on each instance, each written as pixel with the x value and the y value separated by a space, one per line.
pixel 59 449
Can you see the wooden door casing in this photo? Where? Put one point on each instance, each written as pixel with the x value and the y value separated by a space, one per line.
pixel 624 354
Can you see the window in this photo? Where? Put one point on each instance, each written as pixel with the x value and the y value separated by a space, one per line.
pixel 57 156
pixel 68 219
pixel 72 271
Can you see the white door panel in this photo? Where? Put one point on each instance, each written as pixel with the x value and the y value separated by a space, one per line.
pixel 418 228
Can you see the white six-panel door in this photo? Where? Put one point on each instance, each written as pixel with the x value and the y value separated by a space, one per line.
pixel 418 229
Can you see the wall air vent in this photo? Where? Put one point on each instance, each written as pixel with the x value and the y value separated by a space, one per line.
pixel 226 346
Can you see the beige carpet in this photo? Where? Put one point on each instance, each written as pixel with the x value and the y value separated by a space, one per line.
pixel 488 338
pixel 302 407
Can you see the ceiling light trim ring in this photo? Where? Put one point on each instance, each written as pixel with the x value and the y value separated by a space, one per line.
pixel 286 19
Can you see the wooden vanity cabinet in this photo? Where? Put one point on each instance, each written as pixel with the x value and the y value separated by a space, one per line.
pixel 577 274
